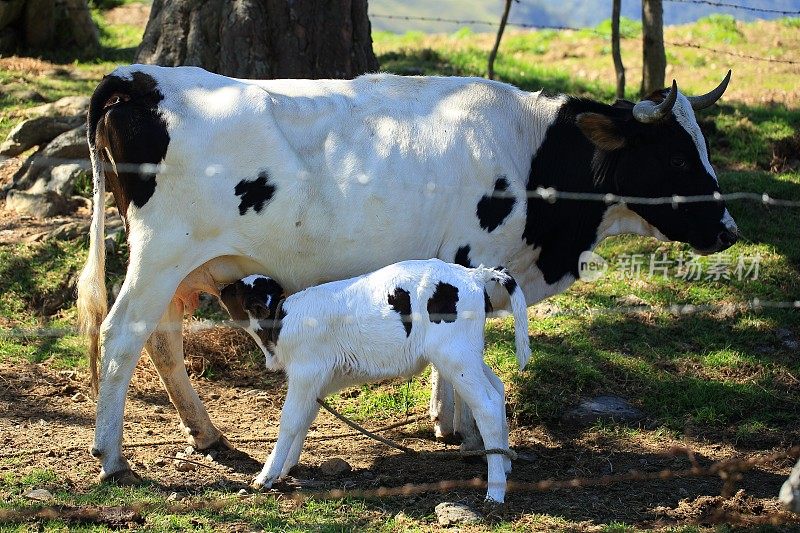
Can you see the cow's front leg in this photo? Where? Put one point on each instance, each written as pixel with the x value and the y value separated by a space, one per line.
pixel 165 348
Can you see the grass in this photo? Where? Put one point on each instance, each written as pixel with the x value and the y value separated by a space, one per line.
pixel 724 375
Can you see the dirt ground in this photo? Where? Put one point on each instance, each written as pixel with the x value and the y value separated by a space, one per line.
pixel 41 416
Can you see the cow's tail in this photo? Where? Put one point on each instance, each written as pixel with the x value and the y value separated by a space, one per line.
pixel 92 297
pixel 519 308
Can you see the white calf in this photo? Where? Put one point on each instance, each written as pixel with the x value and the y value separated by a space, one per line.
pixel 390 323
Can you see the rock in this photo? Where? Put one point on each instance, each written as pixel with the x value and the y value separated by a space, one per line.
pixel 172 497
pixel 631 300
pixel 71 144
pixel 335 467
pixel 69 106
pixel 39 495
pixel 43 205
pixel 79 397
pixel 69 231
pixel 184 466
pixel 36 131
pixel 63 177
pixel 242 492
pixel 605 408
pixel 450 514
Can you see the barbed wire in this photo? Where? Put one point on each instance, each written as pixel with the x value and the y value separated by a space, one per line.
pixel 729 470
pixel 312 322
pixel 737 6
pixel 586 30
pixel 549 194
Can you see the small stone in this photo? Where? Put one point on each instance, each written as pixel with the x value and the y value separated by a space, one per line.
pixel 242 492
pixel 212 455
pixel 39 495
pixel 603 408
pixel 183 466
pixel 160 462
pixel 189 450
pixel 450 513
pixel 335 467
pixel 172 497
pixel 79 397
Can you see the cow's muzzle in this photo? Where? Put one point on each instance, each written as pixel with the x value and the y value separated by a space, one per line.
pixel 725 239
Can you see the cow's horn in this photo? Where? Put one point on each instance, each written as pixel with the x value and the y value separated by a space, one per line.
pixel 648 111
pixel 708 99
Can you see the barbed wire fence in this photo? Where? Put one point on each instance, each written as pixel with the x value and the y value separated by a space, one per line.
pixel 729 470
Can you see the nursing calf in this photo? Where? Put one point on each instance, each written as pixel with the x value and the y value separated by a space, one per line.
pixel 390 323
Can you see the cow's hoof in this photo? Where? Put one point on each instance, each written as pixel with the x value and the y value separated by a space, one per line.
pixel 449 438
pixel 124 478
pixel 222 444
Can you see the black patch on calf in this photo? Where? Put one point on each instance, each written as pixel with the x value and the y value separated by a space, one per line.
pixel 263 300
pixel 565 228
pixel 487 303
pixel 255 193
pixel 125 120
pixel 400 301
pixel 493 209
pixel 442 304
pixel 462 257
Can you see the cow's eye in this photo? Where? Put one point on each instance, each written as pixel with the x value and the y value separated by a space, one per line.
pixel 678 161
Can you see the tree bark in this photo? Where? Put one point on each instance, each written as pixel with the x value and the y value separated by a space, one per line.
pixel 619 68
pixel 654 56
pixel 261 38
pixel 45 25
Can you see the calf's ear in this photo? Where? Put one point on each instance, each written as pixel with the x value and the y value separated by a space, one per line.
pixel 257 308
pixel 601 130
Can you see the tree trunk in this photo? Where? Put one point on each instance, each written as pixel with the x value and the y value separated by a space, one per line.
pixel 619 68
pixel 655 59
pixel 45 25
pixel 261 38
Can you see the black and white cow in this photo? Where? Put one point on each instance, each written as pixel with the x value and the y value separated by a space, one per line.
pixel 311 181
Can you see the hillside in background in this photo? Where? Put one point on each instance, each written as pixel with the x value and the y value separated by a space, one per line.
pixel 548 12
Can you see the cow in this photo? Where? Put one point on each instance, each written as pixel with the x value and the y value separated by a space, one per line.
pixel 386 324
pixel 309 181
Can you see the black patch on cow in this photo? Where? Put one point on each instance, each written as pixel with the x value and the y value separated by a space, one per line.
pixel 493 209
pixel 255 193
pixel 462 257
pixel 565 228
pixel 400 301
pixel 124 119
pixel 487 303
pixel 442 304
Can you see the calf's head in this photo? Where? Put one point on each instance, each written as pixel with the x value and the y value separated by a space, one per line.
pixel 655 149
pixel 255 303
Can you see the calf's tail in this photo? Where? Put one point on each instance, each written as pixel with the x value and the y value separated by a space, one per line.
pixel 519 308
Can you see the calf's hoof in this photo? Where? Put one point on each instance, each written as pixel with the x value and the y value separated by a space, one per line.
pixel 260 485
pixel 126 477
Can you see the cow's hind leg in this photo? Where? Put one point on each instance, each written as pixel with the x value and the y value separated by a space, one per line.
pixel 441 408
pixel 145 295
pixel 165 348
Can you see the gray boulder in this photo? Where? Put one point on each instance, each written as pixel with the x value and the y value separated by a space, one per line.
pixel 452 514
pixel 67 146
pixel 68 106
pixel 36 131
pixel 603 408
pixel 41 205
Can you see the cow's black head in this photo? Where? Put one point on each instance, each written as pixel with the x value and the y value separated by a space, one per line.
pixel 655 149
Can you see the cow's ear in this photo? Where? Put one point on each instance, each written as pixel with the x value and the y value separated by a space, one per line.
pixel 601 130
